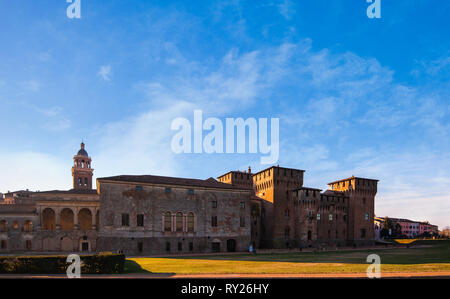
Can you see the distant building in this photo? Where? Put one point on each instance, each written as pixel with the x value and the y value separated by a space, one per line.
pixel 408 228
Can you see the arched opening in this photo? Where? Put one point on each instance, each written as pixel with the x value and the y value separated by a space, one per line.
pixel 309 235
pixel 85 219
pixel 48 219
pixel 190 222
pixel 66 244
pixel 168 222
pixel 85 181
pixel 28 226
pixel 3 226
pixel 179 222
pixel 48 244
pixel 16 225
pixel 67 219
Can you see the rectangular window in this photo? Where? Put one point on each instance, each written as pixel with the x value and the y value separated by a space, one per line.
pixel 168 246
pixel 180 246
pixel 242 204
pixel 242 221
pixel 367 216
pixel 191 246
pixel 214 221
pixel 125 220
pixel 330 217
pixel 3 246
pixel 139 188
pixel 168 190
pixel 140 246
pixel 363 233
pixel 191 191
pixel 140 220
pixel 214 204
pixel 318 216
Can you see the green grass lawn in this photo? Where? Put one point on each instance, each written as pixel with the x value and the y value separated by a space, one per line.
pixel 428 257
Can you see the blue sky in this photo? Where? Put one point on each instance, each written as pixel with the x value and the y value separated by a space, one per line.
pixel 355 96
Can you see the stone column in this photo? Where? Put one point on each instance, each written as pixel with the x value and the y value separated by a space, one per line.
pixel 57 218
pixel 94 218
pixel 75 219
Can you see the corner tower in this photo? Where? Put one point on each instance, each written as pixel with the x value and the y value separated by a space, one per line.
pixel 82 171
pixel 361 208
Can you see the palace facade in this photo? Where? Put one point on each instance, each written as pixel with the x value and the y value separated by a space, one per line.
pixel 149 214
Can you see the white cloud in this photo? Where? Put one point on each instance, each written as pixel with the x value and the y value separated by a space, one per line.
pixel 105 72
pixel 34 171
pixel 286 9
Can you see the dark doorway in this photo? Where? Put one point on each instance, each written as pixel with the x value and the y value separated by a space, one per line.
pixel 84 246
pixel 231 245
pixel 215 247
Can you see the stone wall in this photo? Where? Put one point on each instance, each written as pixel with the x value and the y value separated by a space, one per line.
pixel 155 202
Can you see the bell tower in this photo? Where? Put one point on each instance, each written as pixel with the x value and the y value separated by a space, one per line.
pixel 82 171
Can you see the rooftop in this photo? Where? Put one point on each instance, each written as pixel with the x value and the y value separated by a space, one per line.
pixel 351 178
pixel 164 180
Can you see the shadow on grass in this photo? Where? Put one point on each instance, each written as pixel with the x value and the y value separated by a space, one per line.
pixel 131 267
pixel 437 253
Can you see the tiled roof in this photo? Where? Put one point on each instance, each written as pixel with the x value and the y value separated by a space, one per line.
pixel 163 180
pixel 72 191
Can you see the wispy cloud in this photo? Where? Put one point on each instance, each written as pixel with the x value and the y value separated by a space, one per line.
pixel 105 72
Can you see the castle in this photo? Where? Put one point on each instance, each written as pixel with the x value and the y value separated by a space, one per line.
pixel 149 214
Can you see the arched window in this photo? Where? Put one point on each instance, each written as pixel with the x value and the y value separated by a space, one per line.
pixel 28 226
pixel 67 219
pixel 48 219
pixel 179 221
pixel 3 226
pixel 190 222
pixel 309 235
pixel 168 222
pixel 85 181
pixel 15 225
pixel 85 219
pixel 79 181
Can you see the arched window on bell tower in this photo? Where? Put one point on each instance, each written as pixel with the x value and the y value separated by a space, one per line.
pixel 81 171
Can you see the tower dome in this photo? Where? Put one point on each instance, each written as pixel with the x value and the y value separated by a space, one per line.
pixel 82 151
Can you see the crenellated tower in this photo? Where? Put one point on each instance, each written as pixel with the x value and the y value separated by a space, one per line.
pixel 81 171
pixel 361 208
